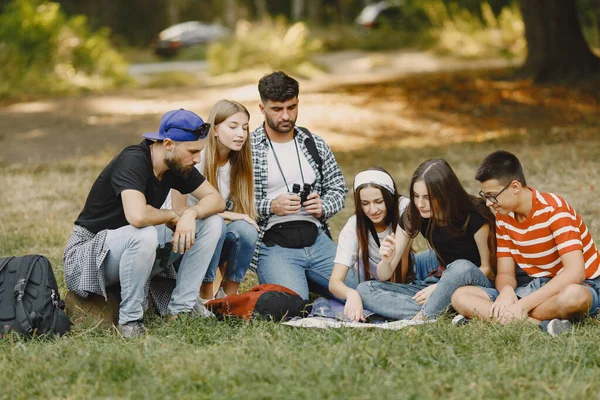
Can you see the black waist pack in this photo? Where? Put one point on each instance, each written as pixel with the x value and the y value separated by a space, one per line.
pixel 29 300
pixel 293 234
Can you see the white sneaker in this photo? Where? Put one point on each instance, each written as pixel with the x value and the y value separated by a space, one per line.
pixel 459 320
pixel 220 293
pixel 201 311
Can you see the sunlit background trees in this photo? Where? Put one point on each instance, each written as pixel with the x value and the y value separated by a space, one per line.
pixel 65 46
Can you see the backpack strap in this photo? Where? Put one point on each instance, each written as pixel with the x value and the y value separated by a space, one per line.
pixel 374 233
pixel 309 142
pixel 4 262
pixel 23 274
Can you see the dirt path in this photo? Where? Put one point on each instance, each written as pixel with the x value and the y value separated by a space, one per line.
pixel 53 129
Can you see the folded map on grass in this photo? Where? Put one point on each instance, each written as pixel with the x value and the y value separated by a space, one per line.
pixel 324 323
pixel 330 308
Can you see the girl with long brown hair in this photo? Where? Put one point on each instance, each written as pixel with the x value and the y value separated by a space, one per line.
pixel 226 162
pixel 459 229
pixel 377 211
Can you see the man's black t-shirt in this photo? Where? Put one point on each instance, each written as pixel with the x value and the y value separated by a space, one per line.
pixel 131 169
pixel 454 247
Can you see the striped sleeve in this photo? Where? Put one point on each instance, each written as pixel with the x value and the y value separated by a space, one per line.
pixel 263 207
pixel 564 225
pixel 502 249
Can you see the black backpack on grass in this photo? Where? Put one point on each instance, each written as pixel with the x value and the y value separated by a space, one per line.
pixel 29 300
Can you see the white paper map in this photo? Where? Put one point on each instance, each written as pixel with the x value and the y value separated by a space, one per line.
pixel 324 323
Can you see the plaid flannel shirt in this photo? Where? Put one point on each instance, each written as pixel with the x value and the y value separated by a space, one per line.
pixel 331 187
pixel 84 258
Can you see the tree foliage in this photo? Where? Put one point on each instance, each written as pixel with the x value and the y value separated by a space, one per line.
pixel 137 22
pixel 271 44
pixel 44 51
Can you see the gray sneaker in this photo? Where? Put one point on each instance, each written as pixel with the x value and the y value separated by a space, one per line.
pixel 558 326
pixel 459 320
pixel 132 329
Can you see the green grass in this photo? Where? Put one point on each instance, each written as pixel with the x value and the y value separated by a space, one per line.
pixel 210 359
pixel 265 360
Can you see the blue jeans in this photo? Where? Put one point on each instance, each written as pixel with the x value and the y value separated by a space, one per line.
pixel 394 300
pixel 130 262
pixel 457 274
pixel 236 247
pixel 296 269
pixel 425 262
pixel 593 285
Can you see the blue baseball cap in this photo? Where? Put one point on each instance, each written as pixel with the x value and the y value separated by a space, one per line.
pixel 180 126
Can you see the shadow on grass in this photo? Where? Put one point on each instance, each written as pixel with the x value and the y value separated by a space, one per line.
pixel 414 111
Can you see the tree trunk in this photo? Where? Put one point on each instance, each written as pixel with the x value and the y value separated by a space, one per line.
pixel 230 14
pixel 597 9
pixel 556 47
pixel 297 10
pixel 340 12
pixel 173 11
pixel 314 11
pixel 261 8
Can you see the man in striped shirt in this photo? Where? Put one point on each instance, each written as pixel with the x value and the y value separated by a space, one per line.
pixel 541 233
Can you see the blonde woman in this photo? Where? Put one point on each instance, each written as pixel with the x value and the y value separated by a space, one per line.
pixel 226 162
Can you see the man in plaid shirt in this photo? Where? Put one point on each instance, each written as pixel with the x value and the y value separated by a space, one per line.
pixel 295 194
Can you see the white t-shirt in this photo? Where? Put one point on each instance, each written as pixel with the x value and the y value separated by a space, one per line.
pixel 223 178
pixel 347 249
pixel 288 160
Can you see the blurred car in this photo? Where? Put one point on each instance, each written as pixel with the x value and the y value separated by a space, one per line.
pixel 394 15
pixel 186 34
pixel 383 13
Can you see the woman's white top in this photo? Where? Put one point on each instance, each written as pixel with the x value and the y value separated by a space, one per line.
pixel 223 178
pixel 347 249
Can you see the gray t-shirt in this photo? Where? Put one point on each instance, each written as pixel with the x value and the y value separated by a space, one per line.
pixel 347 249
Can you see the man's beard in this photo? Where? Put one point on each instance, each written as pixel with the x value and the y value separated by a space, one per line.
pixel 274 126
pixel 173 163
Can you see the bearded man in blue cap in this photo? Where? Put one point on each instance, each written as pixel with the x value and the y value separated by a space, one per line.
pixel 122 237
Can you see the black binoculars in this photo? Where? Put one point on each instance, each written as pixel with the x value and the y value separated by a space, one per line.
pixel 306 189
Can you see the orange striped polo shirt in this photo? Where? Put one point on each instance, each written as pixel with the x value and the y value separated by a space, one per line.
pixel 552 229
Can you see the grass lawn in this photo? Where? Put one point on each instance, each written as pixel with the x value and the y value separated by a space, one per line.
pixel 555 132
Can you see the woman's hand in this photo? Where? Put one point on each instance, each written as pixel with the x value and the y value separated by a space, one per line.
pixel 249 220
pixel 387 250
pixel 233 216
pixel 423 294
pixel 353 309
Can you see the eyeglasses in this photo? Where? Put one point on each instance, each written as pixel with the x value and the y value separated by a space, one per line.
pixel 493 198
pixel 201 132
